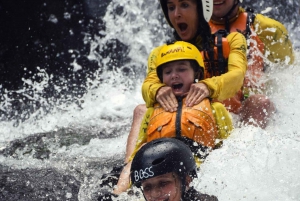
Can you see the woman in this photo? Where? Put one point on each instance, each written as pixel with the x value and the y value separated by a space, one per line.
pixel 267 38
pixel 189 19
pixel 190 22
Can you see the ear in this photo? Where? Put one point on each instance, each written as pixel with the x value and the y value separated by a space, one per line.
pixel 196 76
pixel 188 180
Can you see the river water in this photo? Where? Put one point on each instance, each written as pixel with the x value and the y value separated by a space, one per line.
pixel 61 152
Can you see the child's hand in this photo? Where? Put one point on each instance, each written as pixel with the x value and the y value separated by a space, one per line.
pixel 166 98
pixel 197 93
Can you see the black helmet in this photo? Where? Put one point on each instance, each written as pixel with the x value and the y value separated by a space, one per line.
pixel 161 156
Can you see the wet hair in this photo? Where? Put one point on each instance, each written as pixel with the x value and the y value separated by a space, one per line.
pixel 199 74
pixel 205 42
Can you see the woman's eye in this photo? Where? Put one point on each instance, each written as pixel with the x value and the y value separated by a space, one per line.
pixel 171 8
pixel 184 5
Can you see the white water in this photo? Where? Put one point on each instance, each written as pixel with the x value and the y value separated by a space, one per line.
pixel 253 164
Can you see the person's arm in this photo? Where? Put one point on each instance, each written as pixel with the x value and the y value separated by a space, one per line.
pixel 151 83
pixel 229 83
pixel 193 195
pixel 153 90
pixel 278 47
pixel 142 138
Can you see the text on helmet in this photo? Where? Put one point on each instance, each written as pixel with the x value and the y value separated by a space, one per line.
pixel 177 49
pixel 143 174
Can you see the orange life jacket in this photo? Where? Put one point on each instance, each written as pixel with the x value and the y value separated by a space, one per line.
pixel 219 64
pixel 196 123
pixel 244 25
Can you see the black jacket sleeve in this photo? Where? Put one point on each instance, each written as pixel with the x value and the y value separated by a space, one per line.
pixel 193 195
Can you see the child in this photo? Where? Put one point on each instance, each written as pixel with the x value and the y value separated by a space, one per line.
pixel 164 168
pixel 179 66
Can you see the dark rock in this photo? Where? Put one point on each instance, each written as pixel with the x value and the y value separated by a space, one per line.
pixel 37 185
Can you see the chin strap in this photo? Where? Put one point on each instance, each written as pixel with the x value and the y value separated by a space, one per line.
pixel 183 188
pixel 227 24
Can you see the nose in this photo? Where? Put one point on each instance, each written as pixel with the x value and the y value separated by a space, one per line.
pixel 174 75
pixel 177 12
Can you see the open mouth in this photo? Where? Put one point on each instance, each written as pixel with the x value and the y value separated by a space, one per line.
pixel 218 2
pixel 182 26
pixel 177 86
pixel 166 199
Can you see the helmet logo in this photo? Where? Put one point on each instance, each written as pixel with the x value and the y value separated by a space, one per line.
pixel 143 174
pixel 175 50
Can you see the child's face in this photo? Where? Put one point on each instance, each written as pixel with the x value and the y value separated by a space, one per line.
pixel 165 187
pixel 179 75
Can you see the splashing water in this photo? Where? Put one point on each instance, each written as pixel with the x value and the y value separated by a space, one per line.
pixel 84 136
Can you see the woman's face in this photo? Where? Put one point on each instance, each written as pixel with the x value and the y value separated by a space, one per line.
pixel 221 8
pixel 179 75
pixel 165 187
pixel 183 16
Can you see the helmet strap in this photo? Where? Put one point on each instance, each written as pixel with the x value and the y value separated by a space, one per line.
pixel 227 24
pixel 183 186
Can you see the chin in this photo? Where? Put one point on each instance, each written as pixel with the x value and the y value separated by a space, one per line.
pixel 185 38
pixel 178 94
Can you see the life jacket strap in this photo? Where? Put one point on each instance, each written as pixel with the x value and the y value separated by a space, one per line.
pixel 221 60
pixel 250 20
pixel 178 117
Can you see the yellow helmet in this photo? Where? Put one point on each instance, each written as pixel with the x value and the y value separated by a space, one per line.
pixel 179 50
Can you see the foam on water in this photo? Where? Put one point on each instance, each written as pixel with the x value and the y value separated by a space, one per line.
pixel 256 164
pixel 253 164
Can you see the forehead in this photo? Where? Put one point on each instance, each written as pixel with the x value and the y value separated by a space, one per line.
pixel 177 63
pixel 173 1
pixel 158 178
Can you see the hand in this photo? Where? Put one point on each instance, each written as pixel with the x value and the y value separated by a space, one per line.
pixel 197 93
pixel 167 99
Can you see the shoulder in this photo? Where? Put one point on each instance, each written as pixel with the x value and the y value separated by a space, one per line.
pixel 265 20
pixel 205 197
pixel 156 49
pixel 236 36
pixel 237 40
pixel 193 195
pixel 265 23
pixel 153 55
